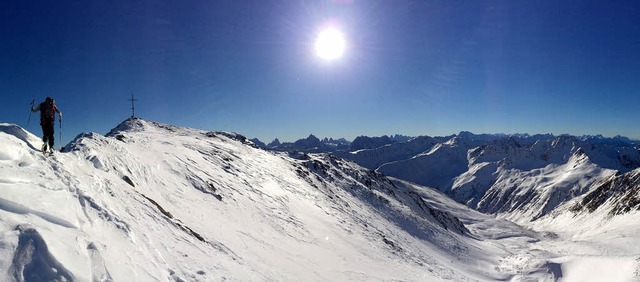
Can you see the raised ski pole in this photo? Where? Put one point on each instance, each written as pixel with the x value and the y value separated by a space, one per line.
pixel 30 112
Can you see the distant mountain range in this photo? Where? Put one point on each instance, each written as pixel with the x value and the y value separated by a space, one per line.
pixel 521 176
pixel 313 144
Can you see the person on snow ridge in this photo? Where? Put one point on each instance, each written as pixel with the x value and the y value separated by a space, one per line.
pixel 47 110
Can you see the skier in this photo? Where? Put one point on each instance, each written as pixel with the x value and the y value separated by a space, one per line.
pixel 47 121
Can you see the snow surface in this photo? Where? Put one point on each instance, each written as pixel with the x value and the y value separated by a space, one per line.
pixel 155 202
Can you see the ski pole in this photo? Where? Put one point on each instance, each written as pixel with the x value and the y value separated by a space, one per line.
pixel 60 131
pixel 30 112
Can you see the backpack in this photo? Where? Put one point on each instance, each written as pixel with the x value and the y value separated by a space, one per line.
pixel 47 111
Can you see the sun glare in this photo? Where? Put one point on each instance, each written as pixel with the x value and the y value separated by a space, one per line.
pixel 330 44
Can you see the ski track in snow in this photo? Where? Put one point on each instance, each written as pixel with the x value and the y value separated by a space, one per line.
pixel 155 202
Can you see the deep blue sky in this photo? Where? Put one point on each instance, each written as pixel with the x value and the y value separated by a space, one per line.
pixel 411 67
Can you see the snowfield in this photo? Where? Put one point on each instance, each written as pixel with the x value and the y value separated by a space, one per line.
pixel 155 202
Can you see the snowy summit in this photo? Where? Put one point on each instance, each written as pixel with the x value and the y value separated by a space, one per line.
pixel 156 202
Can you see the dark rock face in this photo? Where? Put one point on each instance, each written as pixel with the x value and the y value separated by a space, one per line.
pixel 621 193
pixel 379 191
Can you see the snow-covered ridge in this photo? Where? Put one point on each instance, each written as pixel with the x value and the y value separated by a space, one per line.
pixel 151 202
pixel 616 195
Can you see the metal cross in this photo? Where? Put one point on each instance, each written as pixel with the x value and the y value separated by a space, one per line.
pixel 133 108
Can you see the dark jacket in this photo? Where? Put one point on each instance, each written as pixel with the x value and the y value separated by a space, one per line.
pixel 47 111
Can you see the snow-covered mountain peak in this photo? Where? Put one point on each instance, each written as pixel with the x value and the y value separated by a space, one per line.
pixel 129 125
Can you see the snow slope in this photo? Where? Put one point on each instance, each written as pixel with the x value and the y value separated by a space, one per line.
pixel 374 158
pixel 155 202
pixel 436 167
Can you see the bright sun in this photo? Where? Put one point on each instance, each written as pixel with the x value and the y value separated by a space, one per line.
pixel 330 44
